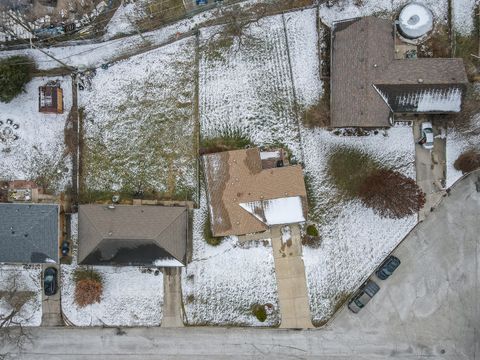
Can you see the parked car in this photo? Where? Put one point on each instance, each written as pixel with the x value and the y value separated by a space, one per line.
pixel 388 267
pixel 50 281
pixel 427 135
pixel 363 296
pixel 202 2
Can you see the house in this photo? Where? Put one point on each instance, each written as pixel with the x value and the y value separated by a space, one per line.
pixel 368 85
pixel 132 235
pixel 248 193
pixel 50 98
pixel 29 233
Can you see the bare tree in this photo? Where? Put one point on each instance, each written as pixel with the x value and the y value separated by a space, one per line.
pixel 13 316
pixel 234 28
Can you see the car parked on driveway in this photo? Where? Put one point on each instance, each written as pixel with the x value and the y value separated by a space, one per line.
pixel 426 139
pixel 363 296
pixel 388 267
pixel 50 281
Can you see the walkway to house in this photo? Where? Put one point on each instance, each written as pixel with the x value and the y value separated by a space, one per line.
pixel 291 280
pixel 172 298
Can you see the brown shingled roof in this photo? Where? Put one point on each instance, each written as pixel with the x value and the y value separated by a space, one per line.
pixel 363 56
pixel 235 177
pixel 124 229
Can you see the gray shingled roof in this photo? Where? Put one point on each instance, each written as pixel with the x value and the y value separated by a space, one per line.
pixel 28 233
pixel 363 56
pixel 131 235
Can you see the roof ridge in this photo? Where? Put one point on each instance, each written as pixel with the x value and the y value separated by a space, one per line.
pixel 80 209
pixel 156 238
pixel 29 239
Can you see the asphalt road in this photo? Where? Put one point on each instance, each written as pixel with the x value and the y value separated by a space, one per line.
pixel 429 308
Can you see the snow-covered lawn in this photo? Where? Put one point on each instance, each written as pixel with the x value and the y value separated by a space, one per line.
pixel 463 12
pixel 131 296
pixel 354 240
pixel 459 142
pixel 28 278
pixel 39 151
pixel 139 125
pixel 223 282
pixel 247 90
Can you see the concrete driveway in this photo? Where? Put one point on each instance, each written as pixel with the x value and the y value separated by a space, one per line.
pixel 430 165
pixel 429 308
pixel 51 310
pixel 291 280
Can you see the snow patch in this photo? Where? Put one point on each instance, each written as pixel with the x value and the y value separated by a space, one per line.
pixel 287 210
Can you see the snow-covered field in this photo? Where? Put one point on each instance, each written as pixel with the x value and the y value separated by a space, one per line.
pixel 39 151
pixel 123 21
pixel 139 125
pixel 131 297
pixel 28 278
pixel 248 89
pixel 222 283
pixel 354 240
pixel 463 12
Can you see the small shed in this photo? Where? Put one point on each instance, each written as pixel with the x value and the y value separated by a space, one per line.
pixel 50 99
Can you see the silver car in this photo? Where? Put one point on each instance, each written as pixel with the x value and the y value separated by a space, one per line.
pixel 363 296
pixel 427 135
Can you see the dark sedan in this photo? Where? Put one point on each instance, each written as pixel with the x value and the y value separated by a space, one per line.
pixel 50 281
pixel 388 267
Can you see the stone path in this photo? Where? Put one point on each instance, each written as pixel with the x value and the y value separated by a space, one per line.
pixel 291 280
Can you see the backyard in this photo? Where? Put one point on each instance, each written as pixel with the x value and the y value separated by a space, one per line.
pixel 139 130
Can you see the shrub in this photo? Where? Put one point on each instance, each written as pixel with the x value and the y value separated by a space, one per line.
pixel 224 143
pixel 87 274
pixel 312 230
pixel 468 161
pixel 348 168
pixel 318 115
pixel 259 312
pixel 311 241
pixel 391 194
pixel 15 72
pixel 88 292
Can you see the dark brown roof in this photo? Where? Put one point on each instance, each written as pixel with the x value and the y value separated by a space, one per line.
pixel 363 56
pixel 131 235
pixel 235 177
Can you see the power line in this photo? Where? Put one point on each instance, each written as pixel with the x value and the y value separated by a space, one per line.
pixel 97 22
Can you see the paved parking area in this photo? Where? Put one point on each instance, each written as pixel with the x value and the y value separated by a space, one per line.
pixel 430 305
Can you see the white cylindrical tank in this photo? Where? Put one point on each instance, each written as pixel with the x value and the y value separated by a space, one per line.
pixel 415 20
